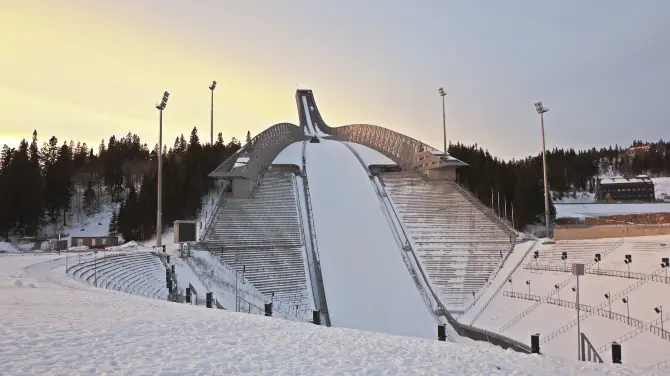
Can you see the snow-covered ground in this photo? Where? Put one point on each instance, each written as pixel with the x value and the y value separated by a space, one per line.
pixel 8 248
pixel 661 187
pixel 367 285
pixel 595 210
pixel 370 156
pixel 291 154
pixel 51 324
pixel 545 318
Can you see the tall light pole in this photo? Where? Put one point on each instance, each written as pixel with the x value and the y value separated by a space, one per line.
pixel 444 118
pixel 159 228
pixel 659 309
pixel 541 110
pixel 211 115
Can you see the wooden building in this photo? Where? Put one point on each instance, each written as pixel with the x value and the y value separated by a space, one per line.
pixel 639 188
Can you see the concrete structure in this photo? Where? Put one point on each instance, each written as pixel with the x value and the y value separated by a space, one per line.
pixel 639 188
pixel 95 241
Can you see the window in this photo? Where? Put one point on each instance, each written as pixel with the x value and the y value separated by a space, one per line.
pixel 80 241
pixel 104 241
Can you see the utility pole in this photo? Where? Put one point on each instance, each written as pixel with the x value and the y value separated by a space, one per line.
pixel 159 228
pixel 541 110
pixel 444 118
pixel 211 115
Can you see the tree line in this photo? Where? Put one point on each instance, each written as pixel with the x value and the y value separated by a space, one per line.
pixel 61 183
pixel 520 182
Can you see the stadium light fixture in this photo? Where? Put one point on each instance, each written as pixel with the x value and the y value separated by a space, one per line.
pixel 159 227
pixel 542 110
pixel 609 300
pixel 211 115
pixel 558 290
pixel 528 283
pixel 444 117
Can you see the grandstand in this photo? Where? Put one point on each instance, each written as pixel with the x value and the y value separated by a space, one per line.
pixel 262 239
pixel 457 243
pixel 379 240
pixel 140 273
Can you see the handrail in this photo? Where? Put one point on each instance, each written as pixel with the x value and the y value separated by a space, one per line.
pixel 304 241
pixel 503 223
pixel 591 355
pixel 595 271
pixel 215 212
pixel 572 323
pixel 555 291
pixel 481 311
pixel 520 295
pixel 323 306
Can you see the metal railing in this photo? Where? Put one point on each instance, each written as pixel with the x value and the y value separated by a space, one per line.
pixel 503 223
pixel 572 323
pixel 481 311
pixel 312 231
pixel 520 295
pixel 589 353
pixel 556 291
pixel 595 271
pixel 215 213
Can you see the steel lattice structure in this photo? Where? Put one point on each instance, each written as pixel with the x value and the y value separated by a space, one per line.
pixel 396 146
pixel 261 151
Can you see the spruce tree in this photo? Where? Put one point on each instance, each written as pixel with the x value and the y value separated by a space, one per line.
pixel 112 231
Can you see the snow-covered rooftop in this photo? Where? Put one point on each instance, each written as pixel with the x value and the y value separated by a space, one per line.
pixel 624 180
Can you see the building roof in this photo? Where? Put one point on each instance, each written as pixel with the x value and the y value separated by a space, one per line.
pixel 623 180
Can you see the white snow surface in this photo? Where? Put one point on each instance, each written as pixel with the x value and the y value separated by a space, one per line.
pixel 291 154
pixel 595 210
pixel 53 325
pixel 8 248
pixel 370 156
pixel 367 285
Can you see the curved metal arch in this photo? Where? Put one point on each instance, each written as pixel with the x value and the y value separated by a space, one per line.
pixel 401 149
pixel 261 151
pixel 396 146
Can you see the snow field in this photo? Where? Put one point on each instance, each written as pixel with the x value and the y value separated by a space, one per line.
pixel 366 283
pixel 79 329
pixel 596 210
pixel 545 318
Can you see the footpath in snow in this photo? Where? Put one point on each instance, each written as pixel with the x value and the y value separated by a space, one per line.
pixel 366 282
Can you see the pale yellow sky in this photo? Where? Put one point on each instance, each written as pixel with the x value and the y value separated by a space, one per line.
pixel 77 73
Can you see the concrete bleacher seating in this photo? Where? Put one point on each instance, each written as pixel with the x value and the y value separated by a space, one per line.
pixel 577 252
pixel 458 244
pixel 140 274
pixel 261 237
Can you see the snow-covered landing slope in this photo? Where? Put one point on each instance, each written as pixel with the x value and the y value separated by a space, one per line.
pixel 366 282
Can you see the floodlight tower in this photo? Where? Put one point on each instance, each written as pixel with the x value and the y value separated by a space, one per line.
pixel 159 229
pixel 211 115
pixel 541 110
pixel 444 118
